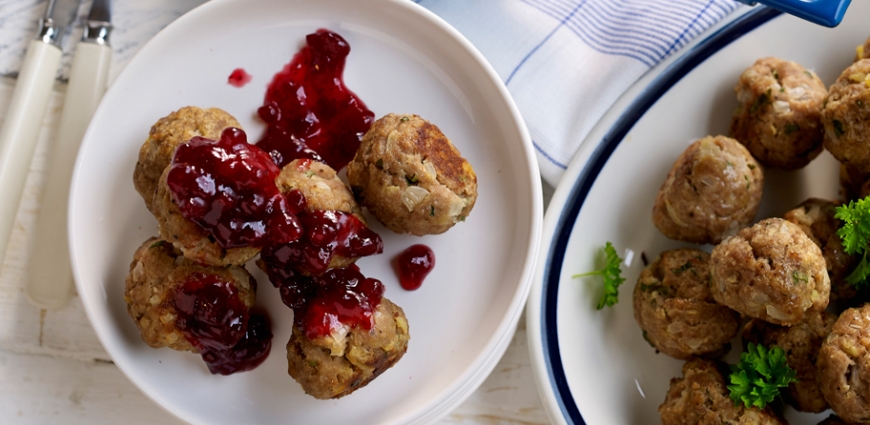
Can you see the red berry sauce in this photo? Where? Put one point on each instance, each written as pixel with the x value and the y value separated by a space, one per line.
pixel 227 186
pixel 327 233
pixel 414 264
pixel 328 301
pixel 239 78
pixel 309 111
pixel 216 322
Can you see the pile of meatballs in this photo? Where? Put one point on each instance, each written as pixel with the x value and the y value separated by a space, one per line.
pixel 441 193
pixel 780 281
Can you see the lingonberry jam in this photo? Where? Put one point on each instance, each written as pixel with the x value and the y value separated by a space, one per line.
pixel 327 233
pixel 326 302
pixel 216 322
pixel 239 78
pixel 414 265
pixel 247 354
pixel 227 186
pixel 309 111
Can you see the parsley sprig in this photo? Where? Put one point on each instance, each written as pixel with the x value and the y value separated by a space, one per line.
pixel 757 379
pixel 612 277
pixel 855 234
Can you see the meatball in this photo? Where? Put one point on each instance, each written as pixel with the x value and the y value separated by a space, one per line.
pixel 846 117
pixel 863 50
pixel 336 365
pixel 844 366
pixel 155 273
pixel 320 185
pixel 778 115
pixel 771 271
pixel 169 132
pixel 801 344
pixel 675 309
pixel 411 177
pixel 855 184
pixel 191 238
pixel 832 420
pixel 713 190
pixel 816 218
pixel 700 397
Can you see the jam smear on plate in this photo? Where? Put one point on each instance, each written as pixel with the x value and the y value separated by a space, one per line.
pixel 227 186
pixel 414 265
pixel 239 77
pixel 308 110
pixel 326 233
pixel 216 322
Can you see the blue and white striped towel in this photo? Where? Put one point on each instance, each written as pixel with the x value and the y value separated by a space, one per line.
pixel 566 62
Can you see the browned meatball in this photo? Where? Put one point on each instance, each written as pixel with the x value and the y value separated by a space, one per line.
pixel 321 186
pixel 801 344
pixel 844 366
pixel 169 132
pixel 863 50
pixel 675 310
pixel 846 117
pixel 336 365
pixel 700 397
pixel 778 115
pixel 771 271
pixel 155 273
pixel 854 183
pixel 713 190
pixel 190 237
pixel 832 420
pixel 816 218
pixel 411 177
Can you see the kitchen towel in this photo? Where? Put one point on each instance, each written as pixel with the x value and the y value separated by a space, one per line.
pixel 565 62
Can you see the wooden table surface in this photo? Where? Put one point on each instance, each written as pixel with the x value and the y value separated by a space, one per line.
pixel 53 369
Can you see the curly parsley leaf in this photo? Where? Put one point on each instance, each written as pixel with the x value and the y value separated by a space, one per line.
pixel 758 377
pixel 612 277
pixel 855 234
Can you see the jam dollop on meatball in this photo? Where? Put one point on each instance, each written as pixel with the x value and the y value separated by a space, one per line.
pixel 218 201
pixel 844 366
pixel 846 117
pixel 411 177
pixel 801 343
pixel 675 309
pixel 701 397
pixel 169 132
pixel 186 306
pixel 816 218
pixel 345 333
pixel 335 231
pixel 771 271
pixel 712 190
pixel 778 115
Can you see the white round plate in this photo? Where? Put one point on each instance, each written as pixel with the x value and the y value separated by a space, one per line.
pixel 593 366
pixel 403 59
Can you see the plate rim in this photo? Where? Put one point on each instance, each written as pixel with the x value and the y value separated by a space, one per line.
pixel 477 370
pixel 572 190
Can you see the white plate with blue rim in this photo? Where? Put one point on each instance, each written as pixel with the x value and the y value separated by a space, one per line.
pixel 593 366
pixel 403 59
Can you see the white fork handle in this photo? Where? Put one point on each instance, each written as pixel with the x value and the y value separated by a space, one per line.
pixel 49 283
pixel 21 128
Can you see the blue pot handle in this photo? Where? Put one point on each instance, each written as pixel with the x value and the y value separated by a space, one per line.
pixel 823 12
